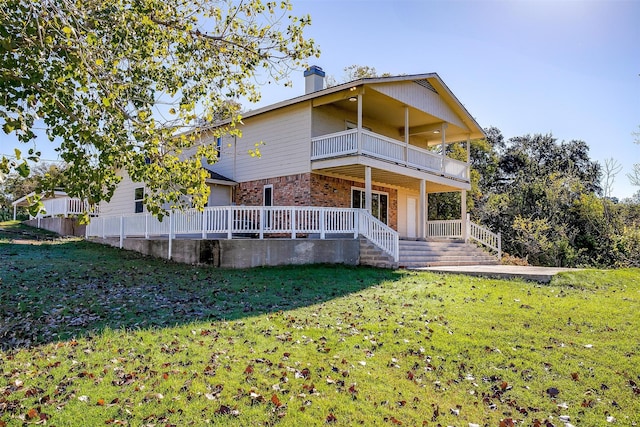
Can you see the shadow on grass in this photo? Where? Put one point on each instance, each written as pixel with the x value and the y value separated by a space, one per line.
pixel 60 289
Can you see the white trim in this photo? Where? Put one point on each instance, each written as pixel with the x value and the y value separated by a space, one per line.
pixel 136 200
pixel 361 189
pixel 264 191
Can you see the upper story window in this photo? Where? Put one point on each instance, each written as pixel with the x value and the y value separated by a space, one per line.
pixel 219 146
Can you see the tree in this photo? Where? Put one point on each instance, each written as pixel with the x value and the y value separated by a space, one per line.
pixel 610 170
pixel 355 72
pixel 45 176
pixel 123 84
pixel 532 189
pixel 634 176
pixel 42 177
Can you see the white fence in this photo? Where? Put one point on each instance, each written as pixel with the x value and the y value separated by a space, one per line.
pixel 381 147
pixel 250 221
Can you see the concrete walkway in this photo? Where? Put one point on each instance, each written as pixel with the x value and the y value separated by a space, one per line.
pixel 537 274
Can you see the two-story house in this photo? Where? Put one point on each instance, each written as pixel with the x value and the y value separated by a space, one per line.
pixel 378 144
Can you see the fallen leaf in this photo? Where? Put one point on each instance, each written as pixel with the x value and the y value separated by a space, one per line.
pixel 276 401
pixel 32 414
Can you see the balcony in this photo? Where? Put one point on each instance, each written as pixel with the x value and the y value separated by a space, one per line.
pixel 367 143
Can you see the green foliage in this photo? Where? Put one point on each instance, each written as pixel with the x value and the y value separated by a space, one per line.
pixel 119 339
pixel 117 81
pixel 544 197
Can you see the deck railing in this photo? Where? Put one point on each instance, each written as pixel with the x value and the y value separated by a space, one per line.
pixel 384 148
pixel 228 222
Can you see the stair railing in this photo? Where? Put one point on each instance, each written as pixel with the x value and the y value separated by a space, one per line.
pixel 484 236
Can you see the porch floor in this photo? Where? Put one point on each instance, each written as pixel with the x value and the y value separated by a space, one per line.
pixel 535 274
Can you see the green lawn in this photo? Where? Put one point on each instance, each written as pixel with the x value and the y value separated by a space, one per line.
pixel 91 335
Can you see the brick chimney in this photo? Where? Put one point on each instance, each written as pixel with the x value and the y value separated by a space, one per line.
pixel 313 79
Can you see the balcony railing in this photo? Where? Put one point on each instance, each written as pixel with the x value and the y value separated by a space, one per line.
pixel 388 149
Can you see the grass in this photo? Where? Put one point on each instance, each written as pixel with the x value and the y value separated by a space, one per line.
pixel 92 335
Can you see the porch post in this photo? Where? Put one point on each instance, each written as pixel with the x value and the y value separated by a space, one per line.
pixel 422 215
pixel 15 212
pixel 359 123
pixel 170 249
pixel 367 188
pixel 468 172
pixel 121 230
pixel 406 134
pixel 463 214
pixel 443 149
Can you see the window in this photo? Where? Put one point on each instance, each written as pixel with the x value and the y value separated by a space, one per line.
pixel 219 146
pixel 267 200
pixel 379 202
pixel 138 196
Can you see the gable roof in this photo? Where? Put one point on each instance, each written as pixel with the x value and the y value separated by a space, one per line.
pixel 216 178
pixel 431 81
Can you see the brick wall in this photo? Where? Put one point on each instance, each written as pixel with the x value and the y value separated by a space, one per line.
pixel 310 190
pixel 292 190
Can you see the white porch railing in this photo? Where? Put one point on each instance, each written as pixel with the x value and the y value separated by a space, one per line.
pixel 66 207
pixel 381 147
pixel 453 229
pixel 380 234
pixel 249 221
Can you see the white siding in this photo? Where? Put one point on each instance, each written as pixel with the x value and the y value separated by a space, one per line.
pixel 123 201
pixel 328 119
pixel 421 98
pixel 220 195
pixel 286 148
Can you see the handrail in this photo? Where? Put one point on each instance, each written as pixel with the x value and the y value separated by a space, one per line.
pixel 485 237
pixel 379 233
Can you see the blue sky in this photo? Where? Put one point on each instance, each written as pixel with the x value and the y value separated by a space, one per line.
pixel 570 68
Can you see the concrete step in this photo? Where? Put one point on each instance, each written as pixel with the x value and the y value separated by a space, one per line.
pixel 442 253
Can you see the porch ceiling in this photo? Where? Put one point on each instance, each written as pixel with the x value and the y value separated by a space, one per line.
pixel 387 177
pixel 377 106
